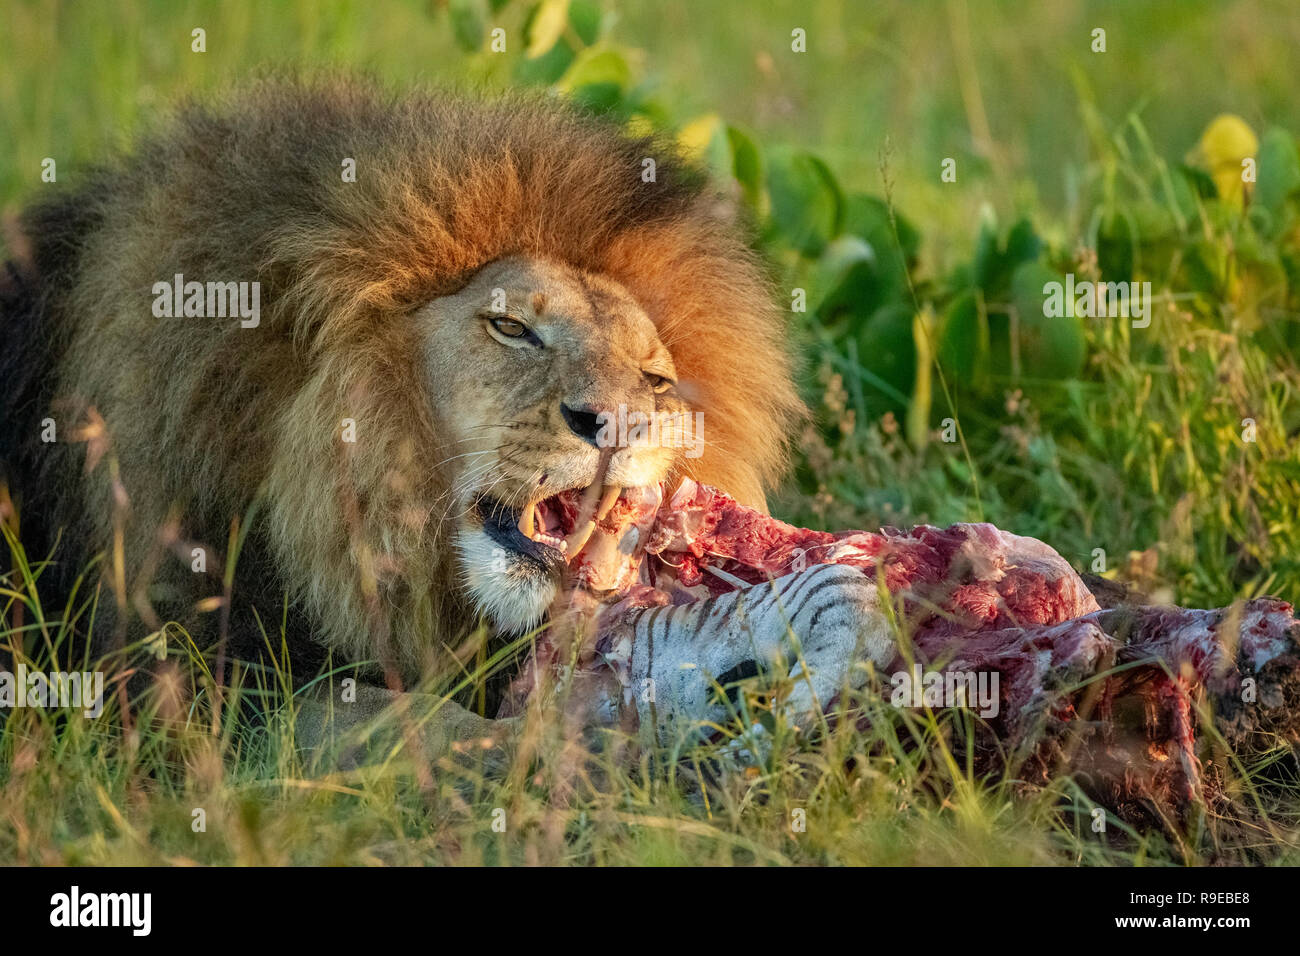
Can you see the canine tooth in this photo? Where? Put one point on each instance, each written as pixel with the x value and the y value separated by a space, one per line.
pixel 607 499
pixel 590 497
pixel 527 520
pixel 579 537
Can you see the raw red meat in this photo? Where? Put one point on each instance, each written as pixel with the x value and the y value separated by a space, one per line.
pixel 974 599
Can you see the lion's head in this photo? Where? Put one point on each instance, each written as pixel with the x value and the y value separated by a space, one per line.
pixel 541 371
pixel 455 295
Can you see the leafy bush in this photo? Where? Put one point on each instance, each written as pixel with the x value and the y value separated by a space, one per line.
pixel 1170 449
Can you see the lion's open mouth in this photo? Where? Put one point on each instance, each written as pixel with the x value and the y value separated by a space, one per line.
pixel 553 530
pixel 596 533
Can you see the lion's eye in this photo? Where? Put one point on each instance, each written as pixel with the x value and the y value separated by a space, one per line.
pixel 505 328
pixel 659 383
pixel 510 328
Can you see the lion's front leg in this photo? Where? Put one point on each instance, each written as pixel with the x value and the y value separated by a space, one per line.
pixel 367 721
pixel 817 623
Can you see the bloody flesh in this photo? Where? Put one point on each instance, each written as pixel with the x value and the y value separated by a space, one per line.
pixel 977 599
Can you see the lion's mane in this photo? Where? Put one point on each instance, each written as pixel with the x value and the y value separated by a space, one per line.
pixel 204 417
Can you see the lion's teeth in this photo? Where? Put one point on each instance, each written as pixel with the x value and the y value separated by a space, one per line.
pixel 607 499
pixel 579 537
pixel 551 540
pixel 527 520
pixel 590 497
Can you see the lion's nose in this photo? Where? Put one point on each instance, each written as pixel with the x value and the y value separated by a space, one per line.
pixel 582 422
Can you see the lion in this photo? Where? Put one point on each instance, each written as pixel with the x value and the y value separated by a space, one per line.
pixel 451 293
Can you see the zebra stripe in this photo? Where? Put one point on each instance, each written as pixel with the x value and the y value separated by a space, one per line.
pixel 830 610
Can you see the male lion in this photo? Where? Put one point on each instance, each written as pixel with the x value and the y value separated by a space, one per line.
pixel 450 297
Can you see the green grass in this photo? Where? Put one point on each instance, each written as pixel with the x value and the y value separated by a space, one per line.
pixel 182 781
pixel 1139 453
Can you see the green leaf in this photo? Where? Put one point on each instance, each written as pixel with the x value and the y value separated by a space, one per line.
pixel 887 348
pixel 728 151
pixel 868 217
pixel 597 78
pixel 1187 185
pixel 846 278
pixel 985 262
pixel 1204 268
pixel 964 341
pixel 585 18
pixel 1199 180
pixel 807 205
pixel 1116 246
pixel 1050 348
pixel 468 23
pixel 996 261
pixel 704 139
pixel 746 165
pixel 1278 176
pixel 1023 244
pixel 547 68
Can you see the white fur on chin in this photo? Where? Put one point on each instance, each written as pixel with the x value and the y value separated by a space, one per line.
pixel 514 600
